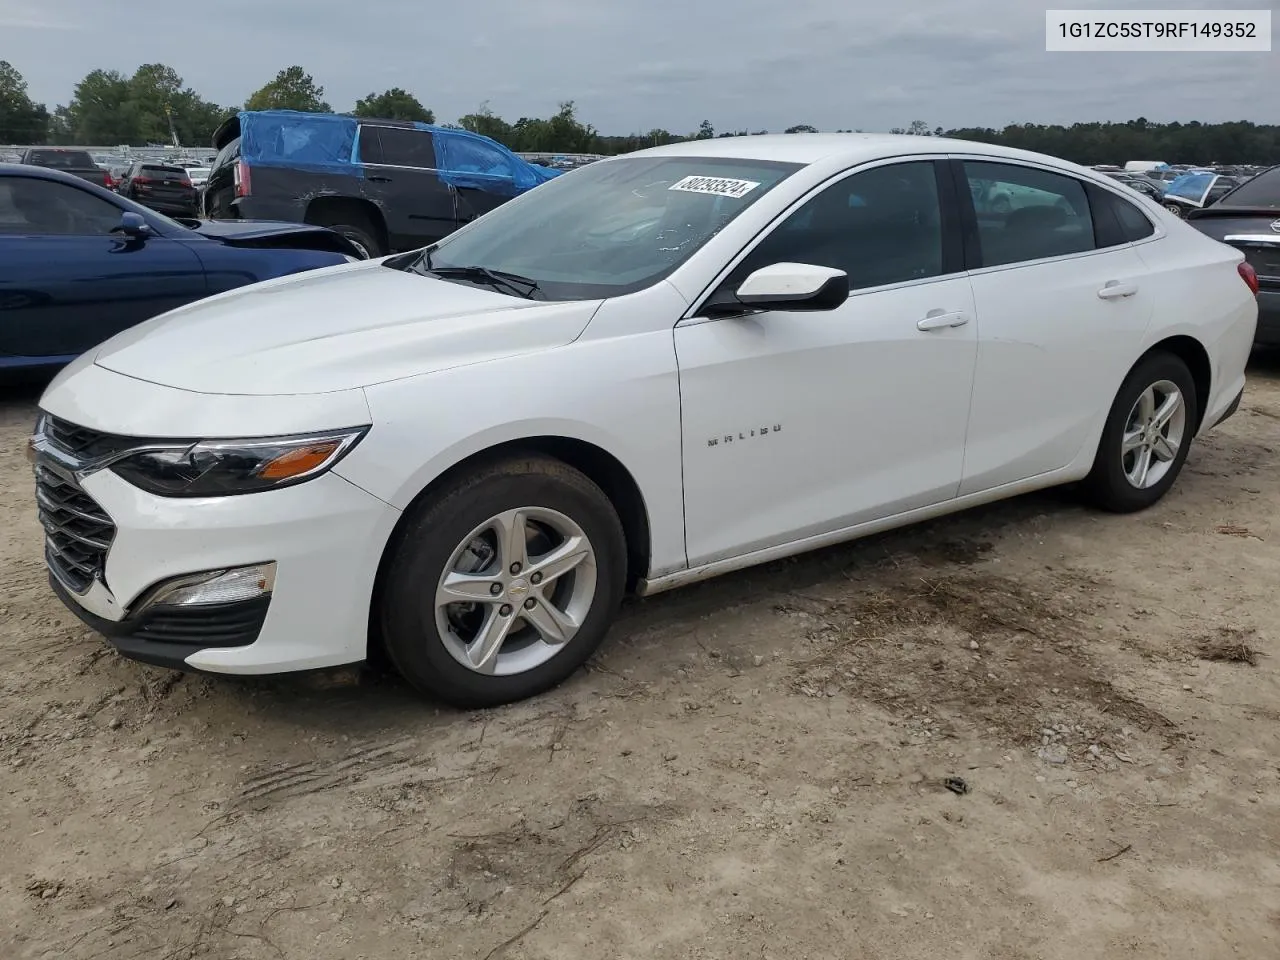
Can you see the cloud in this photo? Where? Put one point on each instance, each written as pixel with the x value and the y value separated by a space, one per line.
pixel 664 63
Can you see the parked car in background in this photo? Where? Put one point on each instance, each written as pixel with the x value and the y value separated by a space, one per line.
pixel 160 186
pixel 1196 189
pixel 76 162
pixel 198 176
pixel 1248 218
pixel 384 184
pixel 468 453
pixel 115 175
pixel 79 263
pixel 1143 184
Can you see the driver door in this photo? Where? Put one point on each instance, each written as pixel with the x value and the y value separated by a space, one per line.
pixel 67 282
pixel 796 424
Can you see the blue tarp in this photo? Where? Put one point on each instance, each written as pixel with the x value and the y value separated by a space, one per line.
pixel 325 142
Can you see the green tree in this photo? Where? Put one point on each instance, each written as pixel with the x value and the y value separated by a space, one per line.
pixel 705 131
pixel 801 128
pixel 394 104
pixel 148 107
pixel 100 110
pixel 488 124
pixel 21 120
pixel 292 89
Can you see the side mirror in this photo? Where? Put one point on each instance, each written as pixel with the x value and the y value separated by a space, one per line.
pixel 133 225
pixel 794 286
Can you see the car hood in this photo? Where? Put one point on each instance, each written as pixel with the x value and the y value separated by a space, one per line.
pixel 336 329
pixel 231 231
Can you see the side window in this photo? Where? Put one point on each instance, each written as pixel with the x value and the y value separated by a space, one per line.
pixel 32 207
pixel 465 155
pixel 399 146
pixel 880 226
pixel 227 154
pixel 1134 224
pixel 1027 214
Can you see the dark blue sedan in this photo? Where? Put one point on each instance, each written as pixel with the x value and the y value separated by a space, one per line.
pixel 78 263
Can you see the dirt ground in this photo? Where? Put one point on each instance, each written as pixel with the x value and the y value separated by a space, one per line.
pixel 753 768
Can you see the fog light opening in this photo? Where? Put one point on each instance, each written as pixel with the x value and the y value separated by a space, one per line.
pixel 217 586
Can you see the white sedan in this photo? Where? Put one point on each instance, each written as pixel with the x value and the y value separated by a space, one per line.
pixel 652 370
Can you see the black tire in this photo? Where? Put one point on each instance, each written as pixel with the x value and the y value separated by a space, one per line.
pixel 433 531
pixel 361 233
pixel 1107 484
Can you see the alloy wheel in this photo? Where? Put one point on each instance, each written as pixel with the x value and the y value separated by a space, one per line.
pixel 515 591
pixel 1153 434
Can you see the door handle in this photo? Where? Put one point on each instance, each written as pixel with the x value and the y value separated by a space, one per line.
pixel 1114 290
pixel 940 320
pixel 378 179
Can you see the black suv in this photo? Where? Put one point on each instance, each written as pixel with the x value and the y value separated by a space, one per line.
pixel 161 187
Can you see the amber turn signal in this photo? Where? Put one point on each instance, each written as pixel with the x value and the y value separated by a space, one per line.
pixel 302 460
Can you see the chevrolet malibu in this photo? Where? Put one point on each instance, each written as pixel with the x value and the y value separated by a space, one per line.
pixel 651 370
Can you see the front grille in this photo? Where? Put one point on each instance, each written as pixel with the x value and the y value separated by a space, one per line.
pixel 84 443
pixel 78 531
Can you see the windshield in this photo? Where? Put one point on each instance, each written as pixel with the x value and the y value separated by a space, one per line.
pixel 1191 186
pixel 1262 191
pixel 608 228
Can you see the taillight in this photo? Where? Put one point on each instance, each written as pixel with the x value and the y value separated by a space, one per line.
pixel 1248 275
pixel 243 180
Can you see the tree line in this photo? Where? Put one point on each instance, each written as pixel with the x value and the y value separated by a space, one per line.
pixel 154 106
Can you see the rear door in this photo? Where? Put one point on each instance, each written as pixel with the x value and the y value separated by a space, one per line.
pixel 67 282
pixel 1062 304
pixel 400 170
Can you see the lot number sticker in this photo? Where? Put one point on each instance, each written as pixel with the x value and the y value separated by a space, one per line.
pixel 717 186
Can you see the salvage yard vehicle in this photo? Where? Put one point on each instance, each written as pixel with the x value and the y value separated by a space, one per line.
pixel 386 185
pixel 1248 218
pixel 160 186
pixel 77 162
pixel 464 455
pixel 79 263
pixel 1196 190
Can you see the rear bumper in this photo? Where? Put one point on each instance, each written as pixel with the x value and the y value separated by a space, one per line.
pixel 1268 317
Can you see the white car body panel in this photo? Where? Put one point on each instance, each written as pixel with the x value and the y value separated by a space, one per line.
pixel 346 328
pixel 789 405
pixel 883 422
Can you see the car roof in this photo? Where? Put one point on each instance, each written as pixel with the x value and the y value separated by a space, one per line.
pixel 808 148
pixel 42 173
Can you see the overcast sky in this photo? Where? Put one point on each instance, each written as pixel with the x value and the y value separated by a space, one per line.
pixel 637 64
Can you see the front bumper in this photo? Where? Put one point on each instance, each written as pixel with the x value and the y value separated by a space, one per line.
pixel 325 538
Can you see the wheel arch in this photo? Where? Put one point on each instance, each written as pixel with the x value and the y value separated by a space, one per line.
pixel 598 464
pixel 1193 353
pixel 326 210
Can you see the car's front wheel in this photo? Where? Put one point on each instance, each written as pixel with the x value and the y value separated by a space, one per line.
pixel 1146 437
pixel 503 583
pixel 1174 209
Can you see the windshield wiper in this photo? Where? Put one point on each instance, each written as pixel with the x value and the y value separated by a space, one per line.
pixel 521 286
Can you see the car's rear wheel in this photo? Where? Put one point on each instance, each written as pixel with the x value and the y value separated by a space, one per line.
pixel 503 583
pixel 1147 435
pixel 1174 209
pixel 355 227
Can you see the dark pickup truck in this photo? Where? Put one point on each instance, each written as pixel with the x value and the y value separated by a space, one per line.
pixel 75 162
pixel 385 185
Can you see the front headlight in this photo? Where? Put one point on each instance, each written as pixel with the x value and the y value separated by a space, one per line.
pixel 219 468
